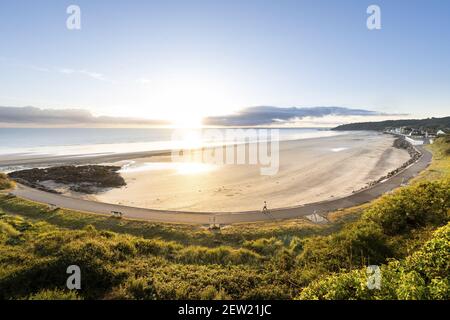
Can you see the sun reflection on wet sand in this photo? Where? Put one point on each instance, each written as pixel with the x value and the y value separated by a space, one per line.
pixel 182 168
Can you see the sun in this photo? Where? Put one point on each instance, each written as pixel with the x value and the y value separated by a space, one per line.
pixel 185 99
pixel 186 121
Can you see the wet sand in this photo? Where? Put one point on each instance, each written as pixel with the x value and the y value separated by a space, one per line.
pixel 310 170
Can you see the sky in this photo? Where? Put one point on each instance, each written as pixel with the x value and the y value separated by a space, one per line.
pixel 183 60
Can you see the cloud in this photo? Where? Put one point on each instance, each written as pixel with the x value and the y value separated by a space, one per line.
pixel 65 71
pixel 255 116
pixel 32 116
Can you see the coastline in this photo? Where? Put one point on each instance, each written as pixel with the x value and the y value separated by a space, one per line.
pixel 205 218
pixel 309 173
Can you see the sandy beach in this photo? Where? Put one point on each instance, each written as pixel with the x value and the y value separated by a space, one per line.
pixel 310 170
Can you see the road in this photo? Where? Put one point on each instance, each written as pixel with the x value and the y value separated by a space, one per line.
pixel 204 218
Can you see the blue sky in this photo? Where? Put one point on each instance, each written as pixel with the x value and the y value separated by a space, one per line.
pixel 187 59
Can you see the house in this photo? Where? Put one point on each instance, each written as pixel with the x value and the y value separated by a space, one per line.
pixel 440 133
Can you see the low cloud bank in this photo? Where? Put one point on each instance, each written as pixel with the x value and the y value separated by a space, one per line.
pixel 272 115
pixel 254 116
pixel 28 116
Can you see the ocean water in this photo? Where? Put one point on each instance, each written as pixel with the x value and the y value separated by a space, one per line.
pixel 30 142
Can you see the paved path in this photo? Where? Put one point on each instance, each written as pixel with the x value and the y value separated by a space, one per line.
pixel 232 217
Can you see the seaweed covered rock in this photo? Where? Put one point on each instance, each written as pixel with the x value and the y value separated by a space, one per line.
pixel 85 179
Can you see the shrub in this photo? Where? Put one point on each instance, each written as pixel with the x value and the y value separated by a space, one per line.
pixel 264 246
pixel 266 292
pixel 124 250
pixel 427 203
pixel 5 183
pixel 211 293
pixel 140 288
pixel 220 255
pixel 7 230
pixel 357 244
pixel 284 260
pixel 423 275
pixel 156 247
pixel 54 294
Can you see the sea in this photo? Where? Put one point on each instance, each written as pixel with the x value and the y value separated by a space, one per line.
pixel 49 142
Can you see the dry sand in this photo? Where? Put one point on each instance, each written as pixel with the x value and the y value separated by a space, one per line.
pixel 310 170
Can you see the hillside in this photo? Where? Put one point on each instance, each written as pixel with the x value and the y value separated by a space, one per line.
pixel 406 233
pixel 430 123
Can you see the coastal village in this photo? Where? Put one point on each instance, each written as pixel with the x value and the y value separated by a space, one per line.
pixel 416 136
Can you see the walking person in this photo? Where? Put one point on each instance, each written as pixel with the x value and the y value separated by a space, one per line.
pixel 265 210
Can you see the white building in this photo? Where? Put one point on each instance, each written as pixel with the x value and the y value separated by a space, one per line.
pixel 414 142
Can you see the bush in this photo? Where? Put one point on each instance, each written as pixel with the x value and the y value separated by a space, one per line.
pixel 140 289
pixel 264 246
pixel 423 275
pixel 124 250
pixel 7 230
pixel 220 255
pixel 156 247
pixel 357 244
pixel 266 292
pixel 5 183
pixel 211 293
pixel 427 203
pixel 54 294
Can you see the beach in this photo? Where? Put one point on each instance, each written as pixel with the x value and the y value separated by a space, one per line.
pixel 320 166
pixel 311 170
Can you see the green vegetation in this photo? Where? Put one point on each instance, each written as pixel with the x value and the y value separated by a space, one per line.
pixel 85 179
pixel 422 275
pixel 5 183
pixel 430 123
pixel 440 167
pixel 184 234
pixel 406 233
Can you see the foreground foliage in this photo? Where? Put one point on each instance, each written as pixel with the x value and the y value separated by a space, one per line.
pixel 422 275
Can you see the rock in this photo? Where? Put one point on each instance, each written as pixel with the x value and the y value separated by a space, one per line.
pixel 85 179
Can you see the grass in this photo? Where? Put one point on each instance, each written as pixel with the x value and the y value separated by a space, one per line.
pixel 440 166
pixel 233 235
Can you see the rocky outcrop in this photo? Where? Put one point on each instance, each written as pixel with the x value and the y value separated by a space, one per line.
pixel 84 179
